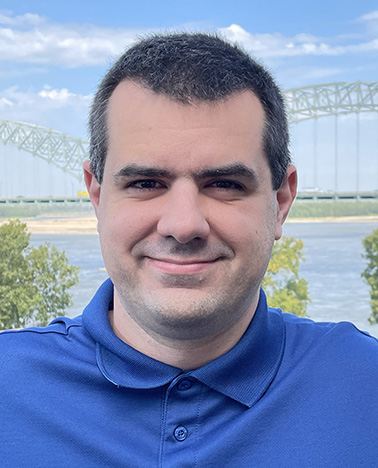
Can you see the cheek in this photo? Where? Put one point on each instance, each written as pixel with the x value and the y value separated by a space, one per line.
pixel 241 221
pixel 249 232
pixel 123 225
pixel 236 229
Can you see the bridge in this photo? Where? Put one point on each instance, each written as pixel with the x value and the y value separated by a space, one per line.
pixel 306 104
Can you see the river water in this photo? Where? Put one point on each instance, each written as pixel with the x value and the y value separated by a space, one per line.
pixel 332 267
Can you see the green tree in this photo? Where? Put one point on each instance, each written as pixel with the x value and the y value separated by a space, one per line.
pixel 34 282
pixel 282 284
pixel 370 274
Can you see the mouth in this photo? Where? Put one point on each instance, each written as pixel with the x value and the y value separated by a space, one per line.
pixel 180 267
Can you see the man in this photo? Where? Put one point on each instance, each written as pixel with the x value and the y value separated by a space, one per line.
pixel 177 361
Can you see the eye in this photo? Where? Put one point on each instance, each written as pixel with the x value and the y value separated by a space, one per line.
pixel 146 184
pixel 226 185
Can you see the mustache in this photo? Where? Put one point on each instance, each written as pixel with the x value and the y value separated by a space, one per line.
pixel 171 248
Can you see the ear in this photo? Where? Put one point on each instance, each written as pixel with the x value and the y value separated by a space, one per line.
pixel 93 187
pixel 285 197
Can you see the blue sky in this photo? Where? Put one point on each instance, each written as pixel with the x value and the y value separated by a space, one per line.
pixel 53 53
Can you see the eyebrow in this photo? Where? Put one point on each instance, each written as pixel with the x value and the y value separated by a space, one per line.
pixel 136 170
pixel 234 169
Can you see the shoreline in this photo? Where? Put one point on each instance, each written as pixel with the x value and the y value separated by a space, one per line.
pixel 60 225
pixel 80 224
pixel 336 219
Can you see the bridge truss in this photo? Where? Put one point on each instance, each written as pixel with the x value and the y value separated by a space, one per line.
pixel 62 150
pixel 311 102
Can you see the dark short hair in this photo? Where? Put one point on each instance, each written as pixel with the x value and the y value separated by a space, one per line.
pixel 190 68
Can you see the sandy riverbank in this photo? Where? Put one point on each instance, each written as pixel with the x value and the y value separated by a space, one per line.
pixel 336 219
pixel 58 225
pixel 88 224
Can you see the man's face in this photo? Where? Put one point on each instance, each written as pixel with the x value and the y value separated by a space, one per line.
pixel 186 212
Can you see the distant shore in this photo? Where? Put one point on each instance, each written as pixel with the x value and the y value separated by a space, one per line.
pixel 337 219
pixel 88 224
pixel 60 225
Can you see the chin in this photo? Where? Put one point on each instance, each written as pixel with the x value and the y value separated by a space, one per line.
pixel 183 314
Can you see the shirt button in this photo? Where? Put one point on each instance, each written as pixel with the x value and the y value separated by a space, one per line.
pixel 184 384
pixel 181 433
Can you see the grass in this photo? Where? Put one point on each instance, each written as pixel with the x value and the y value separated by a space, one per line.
pixel 323 209
pixel 31 211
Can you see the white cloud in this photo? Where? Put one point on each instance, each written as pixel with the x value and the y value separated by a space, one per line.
pixel 52 108
pixel 26 20
pixel 32 39
pixel 277 45
pixel 373 15
pixel 371 22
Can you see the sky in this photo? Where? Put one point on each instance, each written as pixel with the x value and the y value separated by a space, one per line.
pixel 54 53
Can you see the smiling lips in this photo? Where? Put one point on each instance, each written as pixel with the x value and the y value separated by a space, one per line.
pixel 183 267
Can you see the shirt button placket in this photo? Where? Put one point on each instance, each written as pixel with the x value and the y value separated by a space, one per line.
pixel 181 432
pixel 180 422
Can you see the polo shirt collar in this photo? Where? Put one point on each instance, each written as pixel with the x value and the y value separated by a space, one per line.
pixel 244 373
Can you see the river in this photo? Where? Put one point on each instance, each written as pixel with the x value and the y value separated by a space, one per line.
pixel 332 267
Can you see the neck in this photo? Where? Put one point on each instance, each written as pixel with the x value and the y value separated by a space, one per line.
pixel 184 354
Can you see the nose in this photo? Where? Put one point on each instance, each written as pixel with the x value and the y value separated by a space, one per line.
pixel 182 214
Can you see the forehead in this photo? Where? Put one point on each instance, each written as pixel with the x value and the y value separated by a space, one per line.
pixel 143 124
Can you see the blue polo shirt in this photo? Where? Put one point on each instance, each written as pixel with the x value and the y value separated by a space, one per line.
pixel 292 393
